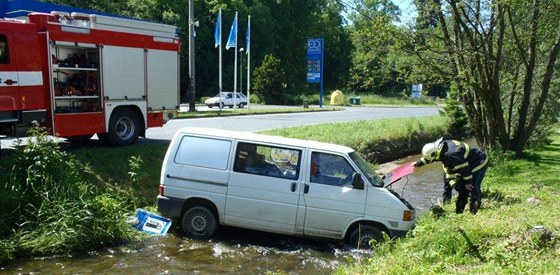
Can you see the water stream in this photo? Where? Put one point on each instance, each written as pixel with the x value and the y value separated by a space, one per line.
pixel 234 250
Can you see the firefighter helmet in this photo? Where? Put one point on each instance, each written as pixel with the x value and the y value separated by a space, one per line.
pixel 430 151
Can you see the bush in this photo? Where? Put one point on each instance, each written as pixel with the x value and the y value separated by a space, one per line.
pixel 269 79
pixel 47 208
pixel 457 117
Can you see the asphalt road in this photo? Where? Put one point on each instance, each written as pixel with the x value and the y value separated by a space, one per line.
pixel 255 123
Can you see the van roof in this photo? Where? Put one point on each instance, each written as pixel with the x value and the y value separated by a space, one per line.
pixel 265 138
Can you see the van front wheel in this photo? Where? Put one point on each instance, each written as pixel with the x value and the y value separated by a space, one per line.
pixel 199 223
pixel 363 235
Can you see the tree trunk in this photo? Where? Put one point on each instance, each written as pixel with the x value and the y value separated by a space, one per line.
pixel 476 43
pixel 545 88
pixel 521 135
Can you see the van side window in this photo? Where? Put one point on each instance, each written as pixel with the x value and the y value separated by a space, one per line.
pixel 4 56
pixel 330 170
pixel 267 160
pixel 204 152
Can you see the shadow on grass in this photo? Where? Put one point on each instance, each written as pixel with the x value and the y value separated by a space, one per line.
pixel 496 196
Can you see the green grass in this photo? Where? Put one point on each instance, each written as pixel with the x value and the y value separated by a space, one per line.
pixel 359 134
pixel 215 112
pixel 377 100
pixel 377 140
pixel 372 99
pixel 521 194
pixel 135 168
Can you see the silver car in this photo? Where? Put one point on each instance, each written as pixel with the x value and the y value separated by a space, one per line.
pixel 226 99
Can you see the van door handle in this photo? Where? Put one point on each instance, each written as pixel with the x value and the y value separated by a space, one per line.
pixel 306 188
pixel 293 186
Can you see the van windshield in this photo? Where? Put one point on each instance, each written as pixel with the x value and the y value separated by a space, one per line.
pixel 367 170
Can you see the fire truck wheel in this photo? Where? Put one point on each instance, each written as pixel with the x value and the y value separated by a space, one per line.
pixel 124 127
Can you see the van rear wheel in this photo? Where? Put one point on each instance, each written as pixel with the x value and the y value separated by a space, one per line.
pixel 199 223
pixel 363 235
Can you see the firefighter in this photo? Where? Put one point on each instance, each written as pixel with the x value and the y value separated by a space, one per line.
pixel 464 169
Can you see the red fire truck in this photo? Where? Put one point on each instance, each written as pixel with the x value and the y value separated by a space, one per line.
pixel 82 74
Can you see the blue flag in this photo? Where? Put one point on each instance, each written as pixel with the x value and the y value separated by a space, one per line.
pixel 232 40
pixel 248 37
pixel 218 31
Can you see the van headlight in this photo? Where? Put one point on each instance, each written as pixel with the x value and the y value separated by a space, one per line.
pixel 409 215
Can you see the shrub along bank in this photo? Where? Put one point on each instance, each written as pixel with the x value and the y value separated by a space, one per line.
pixel 516 231
pixel 66 201
pixel 48 208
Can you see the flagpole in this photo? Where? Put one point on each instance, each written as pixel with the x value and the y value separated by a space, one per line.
pixel 235 66
pixel 220 54
pixel 248 61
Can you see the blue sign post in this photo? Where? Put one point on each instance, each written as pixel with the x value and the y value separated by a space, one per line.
pixel 315 48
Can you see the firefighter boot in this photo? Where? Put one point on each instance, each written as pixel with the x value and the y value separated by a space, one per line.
pixel 460 205
pixel 447 189
pixel 474 205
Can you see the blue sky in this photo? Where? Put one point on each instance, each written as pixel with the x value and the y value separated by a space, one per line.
pixel 408 10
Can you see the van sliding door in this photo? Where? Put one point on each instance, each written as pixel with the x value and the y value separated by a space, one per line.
pixel 264 188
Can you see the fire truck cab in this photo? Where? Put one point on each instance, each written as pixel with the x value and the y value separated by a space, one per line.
pixel 81 74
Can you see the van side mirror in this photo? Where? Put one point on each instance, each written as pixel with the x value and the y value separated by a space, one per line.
pixel 358 182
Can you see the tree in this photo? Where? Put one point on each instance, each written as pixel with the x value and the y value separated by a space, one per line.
pixel 502 56
pixel 427 17
pixel 269 80
pixel 373 38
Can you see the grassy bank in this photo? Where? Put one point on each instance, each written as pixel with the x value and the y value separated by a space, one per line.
pixel 377 140
pixel 71 186
pixel 516 232
pixel 373 99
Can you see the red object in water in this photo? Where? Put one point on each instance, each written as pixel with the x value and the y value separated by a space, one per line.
pixel 400 172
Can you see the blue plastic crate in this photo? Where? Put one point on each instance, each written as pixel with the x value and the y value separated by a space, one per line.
pixel 151 223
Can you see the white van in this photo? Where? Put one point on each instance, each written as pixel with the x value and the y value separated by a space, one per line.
pixel 288 186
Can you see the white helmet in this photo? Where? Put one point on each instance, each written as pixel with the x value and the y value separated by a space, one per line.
pixel 430 150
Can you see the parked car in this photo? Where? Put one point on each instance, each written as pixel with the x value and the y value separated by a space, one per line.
pixel 214 177
pixel 227 100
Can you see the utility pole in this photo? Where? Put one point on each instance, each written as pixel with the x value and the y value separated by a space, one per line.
pixel 192 35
